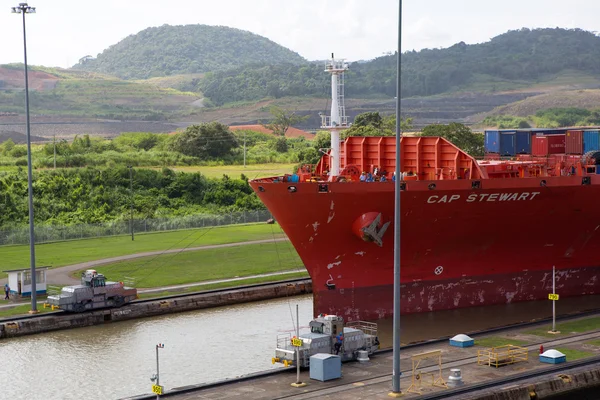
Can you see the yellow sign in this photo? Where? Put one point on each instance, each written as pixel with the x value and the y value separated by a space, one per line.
pixel 157 389
pixel 297 342
pixel 552 296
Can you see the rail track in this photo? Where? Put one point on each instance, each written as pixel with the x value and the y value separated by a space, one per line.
pixel 149 300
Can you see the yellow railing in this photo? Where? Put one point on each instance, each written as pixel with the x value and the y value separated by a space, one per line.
pixel 502 355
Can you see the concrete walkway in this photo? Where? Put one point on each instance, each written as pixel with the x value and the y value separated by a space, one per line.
pixel 62 275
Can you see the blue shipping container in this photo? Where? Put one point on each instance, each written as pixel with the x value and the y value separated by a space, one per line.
pixel 591 141
pixel 492 142
pixel 523 145
pixel 507 143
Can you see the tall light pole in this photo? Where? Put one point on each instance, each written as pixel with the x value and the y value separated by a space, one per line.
pixel 156 377
pixel 23 8
pixel 131 194
pixel 396 392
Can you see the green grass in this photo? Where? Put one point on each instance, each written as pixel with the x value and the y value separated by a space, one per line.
pixel 495 341
pixel 234 171
pixel 225 285
pixel 205 265
pixel 573 354
pixel 594 343
pixel 22 309
pixel 72 252
pixel 567 328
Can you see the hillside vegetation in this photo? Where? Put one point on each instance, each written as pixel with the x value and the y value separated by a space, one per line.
pixel 81 94
pixel 185 49
pixel 519 58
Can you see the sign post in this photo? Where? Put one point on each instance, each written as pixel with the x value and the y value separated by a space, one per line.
pixel 297 343
pixel 157 389
pixel 554 298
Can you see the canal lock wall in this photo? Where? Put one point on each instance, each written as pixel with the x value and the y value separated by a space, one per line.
pixel 148 308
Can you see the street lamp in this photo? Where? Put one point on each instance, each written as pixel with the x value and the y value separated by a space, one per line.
pixel 23 8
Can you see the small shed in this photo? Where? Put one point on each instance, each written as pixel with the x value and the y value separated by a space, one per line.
pixel 461 340
pixel 553 357
pixel 19 281
pixel 324 367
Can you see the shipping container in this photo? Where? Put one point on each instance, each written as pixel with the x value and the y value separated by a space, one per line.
pixel 574 142
pixel 591 141
pixel 507 143
pixel 492 142
pixel 547 144
pixel 523 142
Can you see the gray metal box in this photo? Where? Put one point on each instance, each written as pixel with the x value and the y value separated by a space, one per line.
pixel 325 367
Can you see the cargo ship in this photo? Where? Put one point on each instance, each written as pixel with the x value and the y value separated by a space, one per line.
pixel 473 232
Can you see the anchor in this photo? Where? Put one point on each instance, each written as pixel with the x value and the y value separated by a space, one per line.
pixel 373 233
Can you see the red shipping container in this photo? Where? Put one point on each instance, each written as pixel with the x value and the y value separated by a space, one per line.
pixel 574 142
pixel 547 144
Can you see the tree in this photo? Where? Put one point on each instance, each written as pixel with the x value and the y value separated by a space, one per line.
pixel 282 120
pixel 372 124
pixel 207 140
pixel 460 135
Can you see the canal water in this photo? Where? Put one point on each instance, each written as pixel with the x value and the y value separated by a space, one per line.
pixel 117 360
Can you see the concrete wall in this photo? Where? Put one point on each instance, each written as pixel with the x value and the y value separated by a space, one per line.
pixel 9 329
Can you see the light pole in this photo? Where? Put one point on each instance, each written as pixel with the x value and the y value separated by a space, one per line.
pixel 157 388
pixel 23 8
pixel 131 193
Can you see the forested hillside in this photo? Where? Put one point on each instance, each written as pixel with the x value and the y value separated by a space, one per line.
pixel 170 50
pixel 517 56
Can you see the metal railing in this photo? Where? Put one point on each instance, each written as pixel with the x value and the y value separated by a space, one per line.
pixel 56 233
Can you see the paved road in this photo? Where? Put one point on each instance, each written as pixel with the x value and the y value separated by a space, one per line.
pixel 62 275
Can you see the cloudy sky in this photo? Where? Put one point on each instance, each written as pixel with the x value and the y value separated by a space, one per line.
pixel 62 31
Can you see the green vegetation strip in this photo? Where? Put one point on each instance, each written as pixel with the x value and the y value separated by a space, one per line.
pixel 594 343
pixel 234 171
pixel 567 328
pixel 573 354
pixel 21 309
pixel 72 252
pixel 222 285
pixel 496 341
pixel 205 265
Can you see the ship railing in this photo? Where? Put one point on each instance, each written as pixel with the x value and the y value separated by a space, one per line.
pixel 368 328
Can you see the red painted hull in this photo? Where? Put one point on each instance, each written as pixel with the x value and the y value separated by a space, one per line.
pixel 459 246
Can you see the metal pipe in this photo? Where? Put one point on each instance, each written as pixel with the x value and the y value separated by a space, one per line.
pixel 553 301
pixel 157 372
pixel 396 339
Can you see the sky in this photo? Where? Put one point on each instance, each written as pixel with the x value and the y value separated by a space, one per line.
pixel 63 31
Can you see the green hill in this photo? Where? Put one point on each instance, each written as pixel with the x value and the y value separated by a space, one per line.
pixel 516 59
pixel 185 49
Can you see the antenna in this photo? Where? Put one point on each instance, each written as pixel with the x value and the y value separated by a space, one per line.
pixel 338 119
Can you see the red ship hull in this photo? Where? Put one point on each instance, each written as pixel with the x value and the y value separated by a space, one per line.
pixel 460 246
pixel 471 233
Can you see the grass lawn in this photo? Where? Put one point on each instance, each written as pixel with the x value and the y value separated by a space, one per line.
pixel 594 343
pixel 496 341
pixel 573 354
pixel 22 309
pixel 205 265
pixel 567 328
pixel 225 285
pixel 71 252
pixel 234 171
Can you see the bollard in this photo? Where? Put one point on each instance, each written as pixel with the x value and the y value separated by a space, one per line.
pixel 541 348
pixel 455 378
pixel 363 356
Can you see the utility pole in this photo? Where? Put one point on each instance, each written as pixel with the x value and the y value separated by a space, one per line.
pixel 54 141
pixel 298 382
pixel 23 8
pixel 396 392
pixel 244 149
pixel 131 200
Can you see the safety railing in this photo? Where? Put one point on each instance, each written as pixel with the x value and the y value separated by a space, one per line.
pixel 502 355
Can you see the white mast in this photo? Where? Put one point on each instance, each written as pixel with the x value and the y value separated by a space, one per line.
pixel 338 119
